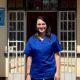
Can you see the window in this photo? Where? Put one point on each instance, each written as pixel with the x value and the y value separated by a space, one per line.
pixel 67 32
pixel 42 4
pixel 33 4
pixel 15 4
pixel 69 4
pixel 39 5
pixel 16 30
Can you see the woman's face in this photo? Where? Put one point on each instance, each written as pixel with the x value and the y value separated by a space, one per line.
pixel 41 26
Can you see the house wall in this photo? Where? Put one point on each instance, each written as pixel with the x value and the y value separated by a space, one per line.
pixel 3 39
pixel 78 37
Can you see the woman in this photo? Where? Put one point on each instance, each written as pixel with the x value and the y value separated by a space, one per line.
pixel 42 50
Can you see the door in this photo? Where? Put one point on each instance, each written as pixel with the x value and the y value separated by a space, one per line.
pixel 67 37
pixel 16 43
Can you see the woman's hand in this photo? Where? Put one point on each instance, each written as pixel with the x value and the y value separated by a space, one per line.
pixel 28 77
pixel 57 76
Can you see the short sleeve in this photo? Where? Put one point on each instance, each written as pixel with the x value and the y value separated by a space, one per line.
pixel 57 46
pixel 27 50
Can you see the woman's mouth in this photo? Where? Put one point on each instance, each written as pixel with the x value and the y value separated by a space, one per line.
pixel 42 29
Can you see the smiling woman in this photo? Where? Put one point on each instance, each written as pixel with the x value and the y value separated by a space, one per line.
pixel 42 53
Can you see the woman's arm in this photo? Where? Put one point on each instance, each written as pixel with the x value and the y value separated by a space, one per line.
pixel 28 67
pixel 57 74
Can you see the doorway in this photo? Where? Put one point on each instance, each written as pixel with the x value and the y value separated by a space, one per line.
pixel 31 21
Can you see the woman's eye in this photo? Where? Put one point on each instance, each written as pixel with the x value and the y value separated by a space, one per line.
pixel 38 24
pixel 43 24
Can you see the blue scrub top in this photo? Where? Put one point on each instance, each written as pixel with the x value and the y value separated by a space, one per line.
pixel 43 56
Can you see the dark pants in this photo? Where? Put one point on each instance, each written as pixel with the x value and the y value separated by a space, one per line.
pixel 42 79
